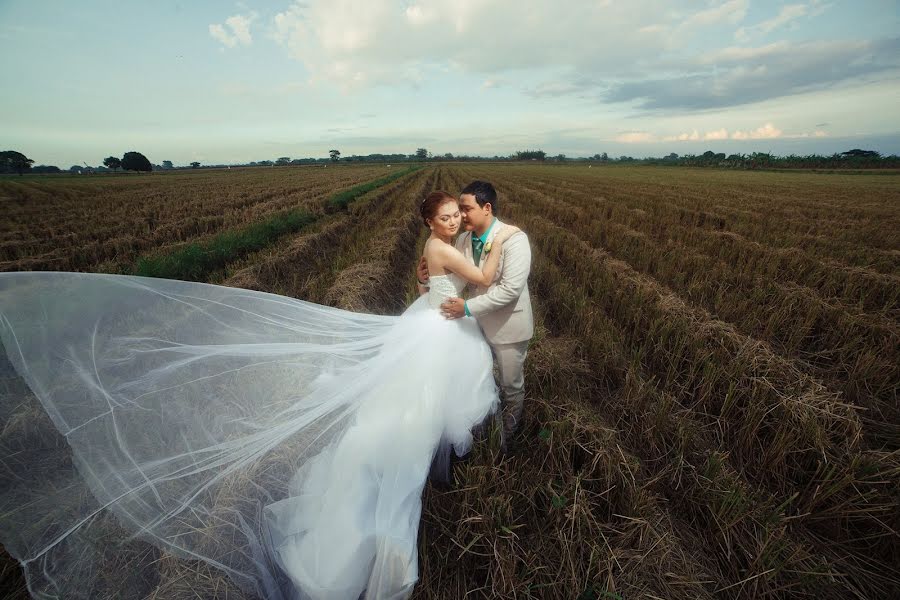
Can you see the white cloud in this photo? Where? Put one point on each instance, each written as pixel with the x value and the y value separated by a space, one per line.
pixel 785 16
pixel 237 32
pixel 683 137
pixel 240 25
pixel 353 42
pixel 736 54
pixel 734 76
pixel 643 53
pixel 732 11
pixel 766 132
pixel 635 137
pixel 219 33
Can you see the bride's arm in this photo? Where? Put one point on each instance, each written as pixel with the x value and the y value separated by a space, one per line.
pixel 454 260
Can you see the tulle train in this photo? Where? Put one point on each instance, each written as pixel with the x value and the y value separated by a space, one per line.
pixel 280 442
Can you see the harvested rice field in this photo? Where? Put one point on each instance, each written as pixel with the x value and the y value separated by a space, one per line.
pixel 712 391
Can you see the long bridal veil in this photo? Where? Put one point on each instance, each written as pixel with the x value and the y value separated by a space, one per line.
pixel 189 415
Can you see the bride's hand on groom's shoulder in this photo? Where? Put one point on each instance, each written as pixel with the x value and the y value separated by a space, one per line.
pixel 507 232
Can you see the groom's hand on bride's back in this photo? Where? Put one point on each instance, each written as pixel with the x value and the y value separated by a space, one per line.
pixel 422 270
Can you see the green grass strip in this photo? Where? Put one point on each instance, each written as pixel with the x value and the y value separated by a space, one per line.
pixel 342 199
pixel 196 261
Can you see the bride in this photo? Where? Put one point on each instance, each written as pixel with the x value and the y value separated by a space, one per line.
pixel 281 442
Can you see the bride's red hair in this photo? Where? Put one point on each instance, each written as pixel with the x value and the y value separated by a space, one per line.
pixel 433 202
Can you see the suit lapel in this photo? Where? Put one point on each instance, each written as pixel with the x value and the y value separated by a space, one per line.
pixel 465 241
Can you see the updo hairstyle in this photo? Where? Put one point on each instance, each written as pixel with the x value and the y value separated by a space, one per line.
pixel 432 203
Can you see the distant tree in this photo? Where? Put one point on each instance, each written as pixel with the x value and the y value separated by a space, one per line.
pixel 167 164
pixel 761 159
pixel 14 162
pixel 283 160
pixel 76 169
pixel 46 169
pixel 530 155
pixel 857 153
pixel 335 155
pixel 135 161
pixel 448 156
pixel 736 160
pixel 112 162
pixel 560 157
pixel 195 165
pixel 672 156
pixel 422 154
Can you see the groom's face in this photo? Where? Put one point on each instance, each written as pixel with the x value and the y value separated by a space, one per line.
pixel 474 217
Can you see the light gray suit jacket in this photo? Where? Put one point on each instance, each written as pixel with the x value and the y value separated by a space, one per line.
pixel 503 309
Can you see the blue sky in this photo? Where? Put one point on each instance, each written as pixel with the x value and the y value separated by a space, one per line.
pixel 229 82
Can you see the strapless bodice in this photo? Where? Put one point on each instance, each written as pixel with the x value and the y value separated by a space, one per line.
pixel 441 287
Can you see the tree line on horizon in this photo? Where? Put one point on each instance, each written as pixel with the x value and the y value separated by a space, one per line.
pixel 15 162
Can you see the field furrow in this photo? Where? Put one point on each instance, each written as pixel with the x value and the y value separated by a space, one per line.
pixel 712 391
pixel 855 353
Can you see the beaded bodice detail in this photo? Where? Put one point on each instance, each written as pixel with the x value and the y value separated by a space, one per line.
pixel 441 287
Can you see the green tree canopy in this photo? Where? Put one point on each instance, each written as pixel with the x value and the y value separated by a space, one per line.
pixel 858 153
pixel 530 155
pixel 112 162
pixel 14 162
pixel 195 165
pixel 335 155
pixel 135 161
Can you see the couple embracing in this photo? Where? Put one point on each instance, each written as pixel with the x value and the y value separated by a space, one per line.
pixel 500 303
pixel 284 443
pixel 429 386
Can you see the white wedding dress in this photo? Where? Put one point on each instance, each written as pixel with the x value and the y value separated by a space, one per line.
pixel 284 443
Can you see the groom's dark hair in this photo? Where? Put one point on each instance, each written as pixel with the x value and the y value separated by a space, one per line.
pixel 484 193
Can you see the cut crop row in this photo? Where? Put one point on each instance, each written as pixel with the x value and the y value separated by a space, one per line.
pixel 872 291
pixel 856 353
pixel 844 498
pixel 114 228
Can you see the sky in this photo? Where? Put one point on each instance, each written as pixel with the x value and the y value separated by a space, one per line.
pixel 232 82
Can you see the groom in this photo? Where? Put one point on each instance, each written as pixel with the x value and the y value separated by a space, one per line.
pixel 503 309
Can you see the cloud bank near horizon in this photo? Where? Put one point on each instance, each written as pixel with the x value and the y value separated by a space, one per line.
pixel 231 83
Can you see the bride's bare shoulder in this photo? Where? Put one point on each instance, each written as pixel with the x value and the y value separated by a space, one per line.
pixel 436 248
